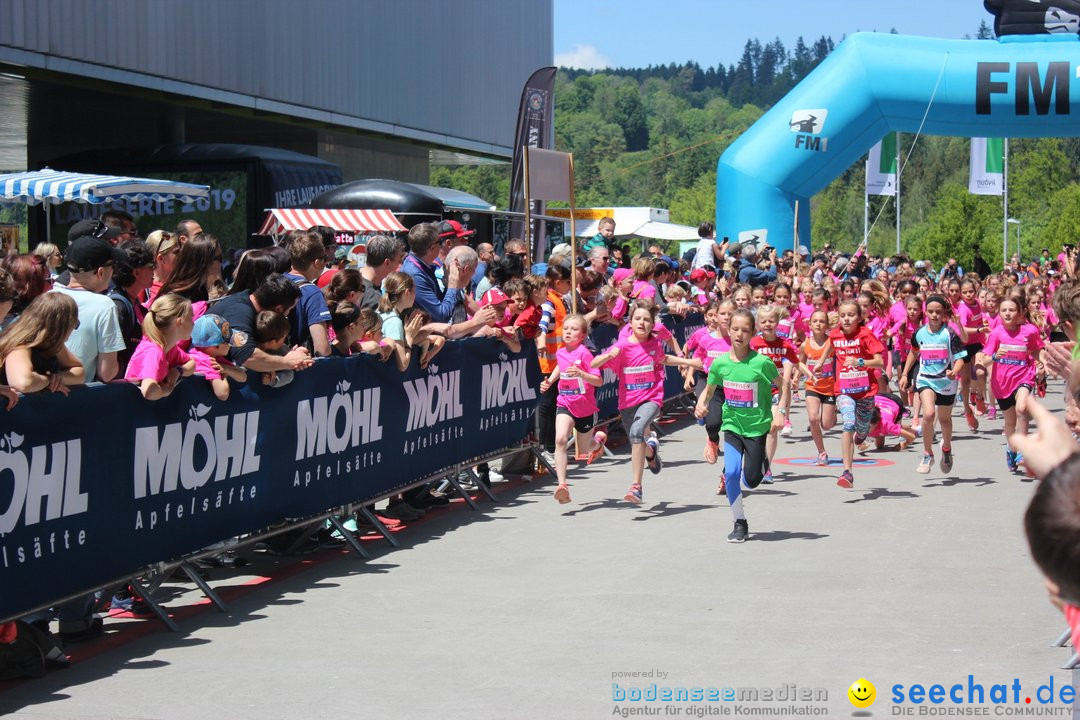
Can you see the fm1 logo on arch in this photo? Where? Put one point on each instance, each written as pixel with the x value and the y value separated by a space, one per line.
pixel 808 126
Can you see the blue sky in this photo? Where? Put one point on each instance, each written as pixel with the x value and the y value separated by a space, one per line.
pixel 593 34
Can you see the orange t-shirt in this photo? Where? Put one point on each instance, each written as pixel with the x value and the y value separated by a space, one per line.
pixel 824 384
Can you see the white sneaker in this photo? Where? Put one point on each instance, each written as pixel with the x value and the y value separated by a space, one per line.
pixel 495 477
pixel 786 430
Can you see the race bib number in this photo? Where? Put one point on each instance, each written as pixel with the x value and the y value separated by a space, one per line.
pixel 571 386
pixel 783 328
pixel 853 382
pixel 740 394
pixel 934 354
pixel 1016 355
pixel 640 377
pixel 827 370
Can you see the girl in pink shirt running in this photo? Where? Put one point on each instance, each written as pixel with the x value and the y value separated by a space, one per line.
pixel 1014 350
pixel 575 408
pixel 639 361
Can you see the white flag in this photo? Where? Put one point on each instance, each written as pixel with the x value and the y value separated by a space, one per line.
pixel 881 167
pixel 987 167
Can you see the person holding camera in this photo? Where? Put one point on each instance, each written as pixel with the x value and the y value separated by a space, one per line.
pixel 754 271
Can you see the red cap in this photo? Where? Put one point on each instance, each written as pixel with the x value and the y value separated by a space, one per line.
pixel 494 296
pixel 701 274
pixel 452 228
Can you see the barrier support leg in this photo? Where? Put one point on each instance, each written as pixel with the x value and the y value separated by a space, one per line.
pixel 1073 663
pixel 452 478
pixel 349 538
pixel 142 592
pixel 193 573
pixel 543 461
pixel 377 524
pixel 1063 639
pixel 483 487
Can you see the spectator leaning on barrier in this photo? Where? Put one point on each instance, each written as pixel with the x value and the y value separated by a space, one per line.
pixel 276 293
pixel 310 320
pixel 384 256
pixel 97 339
pixel 424 249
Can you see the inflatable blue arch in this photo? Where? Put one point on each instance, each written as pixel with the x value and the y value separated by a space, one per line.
pixel 872 84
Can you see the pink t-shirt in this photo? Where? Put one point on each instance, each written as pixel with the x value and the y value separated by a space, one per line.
pixel 971 317
pixel 204 366
pixel 898 312
pixel 576 395
pixel 640 367
pixel 877 324
pixel 151 362
pixel 902 333
pixel 1014 358
pixel 890 415
pixel 643 290
pixel 709 347
pixel 793 325
pixel 620 308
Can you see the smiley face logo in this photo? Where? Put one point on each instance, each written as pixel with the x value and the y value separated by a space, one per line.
pixel 862 693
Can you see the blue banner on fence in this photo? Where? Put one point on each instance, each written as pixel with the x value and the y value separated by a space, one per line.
pixel 101 483
pixel 603 336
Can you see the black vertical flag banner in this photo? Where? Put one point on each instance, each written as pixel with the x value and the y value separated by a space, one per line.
pixel 535 128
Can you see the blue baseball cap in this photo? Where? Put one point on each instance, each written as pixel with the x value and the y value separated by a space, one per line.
pixel 210 331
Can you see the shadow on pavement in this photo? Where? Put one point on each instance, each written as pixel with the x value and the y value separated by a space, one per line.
pixel 778 535
pixel 883 494
pixel 950 482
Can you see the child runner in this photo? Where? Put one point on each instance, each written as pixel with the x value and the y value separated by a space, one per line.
pixel 887 420
pixel 901 334
pixel 747 379
pixel 940 354
pixel 793 328
pixel 970 317
pixel 1014 348
pixel 857 352
pixel 639 362
pixel 778 350
pixel 576 406
pixel 158 362
pixel 820 390
pixel 706 345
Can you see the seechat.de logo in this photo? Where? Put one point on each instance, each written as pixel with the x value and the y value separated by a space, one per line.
pixel 810 122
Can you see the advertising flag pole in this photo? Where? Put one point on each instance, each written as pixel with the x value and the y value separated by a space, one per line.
pixel 573 241
pixel 528 202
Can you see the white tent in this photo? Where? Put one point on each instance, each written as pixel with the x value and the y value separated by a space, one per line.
pixel 642 222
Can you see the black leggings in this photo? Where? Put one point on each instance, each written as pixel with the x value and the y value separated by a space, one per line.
pixel 545 418
pixel 714 416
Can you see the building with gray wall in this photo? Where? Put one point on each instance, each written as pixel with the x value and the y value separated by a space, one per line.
pixel 372 85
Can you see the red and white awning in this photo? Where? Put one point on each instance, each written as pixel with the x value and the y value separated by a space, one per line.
pixel 280 220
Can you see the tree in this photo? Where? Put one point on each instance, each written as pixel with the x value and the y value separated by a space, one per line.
pixel 629 113
pixel 985 32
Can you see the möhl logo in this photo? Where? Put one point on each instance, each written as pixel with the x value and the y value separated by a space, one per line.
pixel 190 453
pixel 433 399
pixel 505 382
pixel 335 424
pixel 43 473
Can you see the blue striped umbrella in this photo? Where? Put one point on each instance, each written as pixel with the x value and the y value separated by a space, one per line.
pixel 55 186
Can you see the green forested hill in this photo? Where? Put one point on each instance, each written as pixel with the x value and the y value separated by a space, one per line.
pixel 652 137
